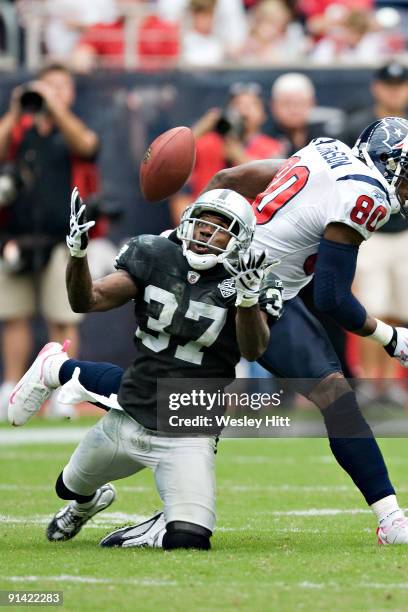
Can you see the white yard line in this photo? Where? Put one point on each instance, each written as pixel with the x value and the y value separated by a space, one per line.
pixel 120 517
pixel 91 580
pixel 51 435
pixel 151 582
pixel 315 512
pixel 49 487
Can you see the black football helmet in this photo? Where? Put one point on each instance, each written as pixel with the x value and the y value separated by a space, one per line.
pixel 383 146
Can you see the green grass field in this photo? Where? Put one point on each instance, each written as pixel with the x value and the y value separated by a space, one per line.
pixel 293 533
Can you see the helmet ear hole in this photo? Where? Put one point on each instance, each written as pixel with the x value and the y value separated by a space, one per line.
pixel 383 157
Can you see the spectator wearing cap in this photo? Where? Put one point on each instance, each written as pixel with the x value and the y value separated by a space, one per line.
pixel 389 90
pixel 228 137
pixel 382 269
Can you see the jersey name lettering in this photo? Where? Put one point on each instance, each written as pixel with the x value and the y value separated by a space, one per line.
pixel 332 156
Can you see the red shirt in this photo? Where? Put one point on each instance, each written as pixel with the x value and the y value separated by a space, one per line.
pixel 210 156
pixel 158 42
pixel 311 8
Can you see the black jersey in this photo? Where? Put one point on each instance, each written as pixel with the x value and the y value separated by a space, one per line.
pixel 186 322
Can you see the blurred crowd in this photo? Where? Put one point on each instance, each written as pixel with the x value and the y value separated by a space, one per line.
pixel 45 149
pixel 163 33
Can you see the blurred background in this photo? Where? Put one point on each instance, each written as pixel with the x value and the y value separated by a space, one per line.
pixel 87 85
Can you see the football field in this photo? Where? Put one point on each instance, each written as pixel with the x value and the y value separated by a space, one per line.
pixel 292 533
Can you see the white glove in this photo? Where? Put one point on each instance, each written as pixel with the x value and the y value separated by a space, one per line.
pixel 77 239
pixel 398 346
pixel 248 272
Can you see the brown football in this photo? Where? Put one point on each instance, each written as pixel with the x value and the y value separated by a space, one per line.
pixel 167 164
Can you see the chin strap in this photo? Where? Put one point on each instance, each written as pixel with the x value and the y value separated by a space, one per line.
pixel 201 262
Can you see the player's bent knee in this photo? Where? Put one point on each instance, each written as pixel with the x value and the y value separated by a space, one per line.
pixel 180 534
pixel 343 418
pixel 329 389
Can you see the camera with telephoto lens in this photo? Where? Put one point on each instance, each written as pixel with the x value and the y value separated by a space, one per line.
pixel 98 205
pixel 230 123
pixel 31 101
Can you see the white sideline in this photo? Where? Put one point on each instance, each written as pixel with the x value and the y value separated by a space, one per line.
pixel 91 580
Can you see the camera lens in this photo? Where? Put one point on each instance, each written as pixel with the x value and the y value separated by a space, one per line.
pixel 31 102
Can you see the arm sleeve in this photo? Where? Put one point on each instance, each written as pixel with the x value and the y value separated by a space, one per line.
pixel 334 275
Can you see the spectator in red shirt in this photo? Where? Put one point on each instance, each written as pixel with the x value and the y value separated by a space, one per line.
pixel 228 138
pixel 157 45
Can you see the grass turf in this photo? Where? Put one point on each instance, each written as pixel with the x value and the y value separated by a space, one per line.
pixel 280 543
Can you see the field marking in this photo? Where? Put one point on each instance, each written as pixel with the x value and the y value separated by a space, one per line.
pixel 120 517
pixel 226 486
pixel 316 512
pixel 149 582
pixel 108 519
pixel 91 580
pixel 50 487
pixel 111 519
pixel 41 435
pixel 33 456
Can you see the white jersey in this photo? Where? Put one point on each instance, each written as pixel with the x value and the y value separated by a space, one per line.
pixel 321 184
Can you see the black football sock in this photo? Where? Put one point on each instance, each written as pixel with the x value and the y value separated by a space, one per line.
pixel 64 493
pixel 355 448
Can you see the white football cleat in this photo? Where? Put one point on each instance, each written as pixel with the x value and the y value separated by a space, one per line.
pixel 33 389
pixel 69 520
pixel 394 532
pixel 148 534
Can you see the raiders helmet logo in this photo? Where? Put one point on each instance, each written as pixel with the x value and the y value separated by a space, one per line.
pixel 192 277
pixel 227 287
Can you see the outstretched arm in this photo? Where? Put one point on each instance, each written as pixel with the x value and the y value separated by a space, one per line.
pixel 106 293
pixel 247 179
pixel 84 294
pixel 334 275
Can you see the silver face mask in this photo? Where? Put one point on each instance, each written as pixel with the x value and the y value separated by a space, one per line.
pixel 232 207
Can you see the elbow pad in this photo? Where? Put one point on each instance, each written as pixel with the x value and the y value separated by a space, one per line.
pixel 334 275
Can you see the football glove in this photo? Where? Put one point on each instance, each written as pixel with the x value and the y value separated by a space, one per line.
pixel 398 346
pixel 248 272
pixel 77 239
pixel 271 296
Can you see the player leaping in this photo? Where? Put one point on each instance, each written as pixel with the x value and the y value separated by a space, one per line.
pixel 311 218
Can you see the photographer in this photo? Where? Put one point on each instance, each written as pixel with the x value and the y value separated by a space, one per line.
pixel 45 150
pixel 227 138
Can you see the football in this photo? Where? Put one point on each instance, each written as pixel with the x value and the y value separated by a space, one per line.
pixel 167 164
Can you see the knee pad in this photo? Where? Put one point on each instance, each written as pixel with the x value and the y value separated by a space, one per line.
pixel 180 534
pixel 343 418
pixel 64 493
